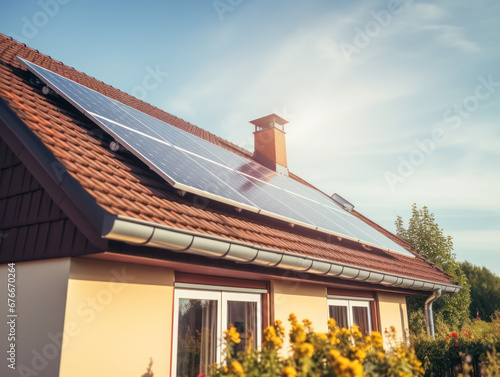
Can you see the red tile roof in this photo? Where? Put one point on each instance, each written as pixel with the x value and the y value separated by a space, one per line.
pixel 123 186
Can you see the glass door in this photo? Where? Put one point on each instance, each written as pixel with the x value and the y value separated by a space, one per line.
pixel 196 330
pixel 200 317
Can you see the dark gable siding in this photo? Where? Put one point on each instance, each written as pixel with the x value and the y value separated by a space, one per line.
pixel 31 225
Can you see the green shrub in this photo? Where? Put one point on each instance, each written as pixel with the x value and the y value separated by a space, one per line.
pixel 492 364
pixel 464 351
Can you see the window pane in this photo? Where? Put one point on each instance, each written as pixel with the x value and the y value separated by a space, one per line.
pixel 243 316
pixel 339 314
pixel 197 339
pixel 360 318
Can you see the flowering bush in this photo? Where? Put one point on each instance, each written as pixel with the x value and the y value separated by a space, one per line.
pixel 470 351
pixel 338 352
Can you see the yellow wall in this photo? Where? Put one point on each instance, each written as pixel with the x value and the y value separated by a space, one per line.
pixel 40 302
pixel 393 313
pixel 305 300
pixel 118 316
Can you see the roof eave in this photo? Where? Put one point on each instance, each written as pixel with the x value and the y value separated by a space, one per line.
pixel 145 233
pixel 65 190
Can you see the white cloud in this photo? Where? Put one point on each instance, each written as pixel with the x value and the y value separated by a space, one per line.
pixel 480 137
pixel 427 11
pixel 453 36
pixel 485 240
pixel 181 106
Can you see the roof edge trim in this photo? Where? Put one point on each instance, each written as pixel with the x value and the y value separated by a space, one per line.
pixel 185 241
pixel 61 186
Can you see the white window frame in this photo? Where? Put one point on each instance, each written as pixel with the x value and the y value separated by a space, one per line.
pixel 222 297
pixel 350 303
pixel 246 297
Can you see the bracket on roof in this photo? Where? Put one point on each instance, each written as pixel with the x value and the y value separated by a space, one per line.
pixel 116 146
pixel 291 225
pixel 35 81
pixel 237 209
pixel 342 202
pixel 181 192
pixel 366 247
pixel 46 90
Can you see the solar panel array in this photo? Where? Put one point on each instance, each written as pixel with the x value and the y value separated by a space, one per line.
pixel 194 165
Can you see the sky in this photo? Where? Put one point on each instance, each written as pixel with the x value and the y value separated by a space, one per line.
pixel 390 103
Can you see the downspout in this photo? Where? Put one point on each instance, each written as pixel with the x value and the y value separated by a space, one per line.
pixel 429 318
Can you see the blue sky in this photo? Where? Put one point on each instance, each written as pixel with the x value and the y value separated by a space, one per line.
pixel 389 102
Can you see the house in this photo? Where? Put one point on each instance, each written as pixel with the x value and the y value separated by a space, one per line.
pixel 111 266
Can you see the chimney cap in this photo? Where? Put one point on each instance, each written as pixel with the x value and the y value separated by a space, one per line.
pixel 269 121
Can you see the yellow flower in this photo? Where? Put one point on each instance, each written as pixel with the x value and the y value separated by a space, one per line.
pixel 380 356
pixel 289 372
pixel 358 353
pixel 280 330
pixel 305 350
pixel 297 335
pixel 269 333
pixel 331 323
pixel 307 324
pixel 377 340
pixel 342 363
pixel 334 354
pixel 232 335
pixel 355 332
pixel 345 368
pixel 271 340
pixel 322 336
pixel 345 332
pixel 237 368
pixel 332 336
pixel 356 369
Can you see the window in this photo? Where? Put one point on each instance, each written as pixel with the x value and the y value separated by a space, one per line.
pixel 349 312
pixel 200 317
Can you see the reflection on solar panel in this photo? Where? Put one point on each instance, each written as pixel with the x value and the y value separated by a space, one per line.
pixel 195 165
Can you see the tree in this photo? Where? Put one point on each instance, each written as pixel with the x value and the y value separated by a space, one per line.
pixel 484 290
pixel 428 240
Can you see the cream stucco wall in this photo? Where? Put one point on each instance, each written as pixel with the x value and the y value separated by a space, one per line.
pixel 40 302
pixel 393 313
pixel 305 300
pixel 118 316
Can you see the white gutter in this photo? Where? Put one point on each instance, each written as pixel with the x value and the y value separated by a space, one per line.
pixel 145 233
pixel 429 317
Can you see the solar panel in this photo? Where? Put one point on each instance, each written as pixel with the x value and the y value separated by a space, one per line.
pixel 192 164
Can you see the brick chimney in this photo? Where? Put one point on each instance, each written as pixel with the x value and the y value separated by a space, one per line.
pixel 270 146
